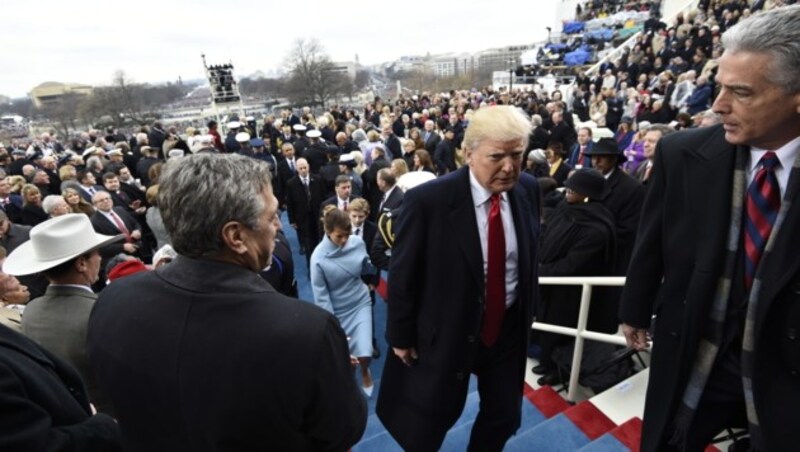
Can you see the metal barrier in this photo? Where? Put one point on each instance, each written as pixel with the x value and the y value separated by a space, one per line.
pixel 580 333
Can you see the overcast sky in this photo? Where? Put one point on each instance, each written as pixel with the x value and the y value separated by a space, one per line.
pixel 86 41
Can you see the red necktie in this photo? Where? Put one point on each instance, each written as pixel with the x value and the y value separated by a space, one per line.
pixel 495 306
pixel 121 226
pixel 762 204
pixel 344 206
pixel 580 156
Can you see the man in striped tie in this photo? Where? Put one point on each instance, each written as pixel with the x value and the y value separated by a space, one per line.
pixel 716 268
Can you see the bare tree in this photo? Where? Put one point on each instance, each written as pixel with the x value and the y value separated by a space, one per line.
pixel 313 78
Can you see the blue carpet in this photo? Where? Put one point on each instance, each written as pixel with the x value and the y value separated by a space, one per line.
pixel 556 434
pixel 606 443
pixel 563 435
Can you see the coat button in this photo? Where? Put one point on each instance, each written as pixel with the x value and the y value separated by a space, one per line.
pixel 471 339
pixel 460 376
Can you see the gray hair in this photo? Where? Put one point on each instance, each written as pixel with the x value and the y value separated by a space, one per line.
pixel 775 33
pixel 50 202
pixel 501 123
pixel 200 193
pixel 664 129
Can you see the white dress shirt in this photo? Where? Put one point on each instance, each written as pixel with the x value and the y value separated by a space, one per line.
pixel 481 199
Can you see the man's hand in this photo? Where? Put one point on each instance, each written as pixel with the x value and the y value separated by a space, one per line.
pixel 130 248
pixel 407 355
pixel 136 234
pixel 636 337
pixel 294 225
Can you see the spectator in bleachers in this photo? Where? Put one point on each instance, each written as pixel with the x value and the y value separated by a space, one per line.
pixel 578 239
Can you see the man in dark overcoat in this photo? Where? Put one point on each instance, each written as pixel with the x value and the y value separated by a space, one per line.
pixel 448 317
pixel 715 266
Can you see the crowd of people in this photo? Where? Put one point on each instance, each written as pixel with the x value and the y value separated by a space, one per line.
pixel 179 232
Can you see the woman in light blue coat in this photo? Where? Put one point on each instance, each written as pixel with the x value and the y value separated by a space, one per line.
pixel 336 268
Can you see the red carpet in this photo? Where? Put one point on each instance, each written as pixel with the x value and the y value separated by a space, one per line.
pixel 592 422
pixel 546 400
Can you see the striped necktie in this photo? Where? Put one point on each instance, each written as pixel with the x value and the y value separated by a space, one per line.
pixel 762 203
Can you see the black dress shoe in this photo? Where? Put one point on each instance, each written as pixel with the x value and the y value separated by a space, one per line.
pixel 541 369
pixel 550 379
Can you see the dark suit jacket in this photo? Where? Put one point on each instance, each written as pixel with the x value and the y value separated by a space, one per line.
pixel 441 315
pixel 623 197
pixel 676 266
pixel 393 147
pixel 44 402
pixel 33 215
pixel 302 209
pixel 103 225
pixel 575 152
pixel 394 200
pixel 203 355
pixel 372 193
pixel 432 142
pixel 14 208
pixel 444 158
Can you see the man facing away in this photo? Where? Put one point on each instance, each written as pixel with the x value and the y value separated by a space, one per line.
pixel 716 259
pixel 202 354
pixel 463 277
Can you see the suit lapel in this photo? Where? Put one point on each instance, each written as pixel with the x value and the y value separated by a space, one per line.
pixel 709 181
pixel 465 226
pixel 782 263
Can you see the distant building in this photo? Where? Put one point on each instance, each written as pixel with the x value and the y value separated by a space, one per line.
pixel 348 68
pixel 49 93
pixel 503 58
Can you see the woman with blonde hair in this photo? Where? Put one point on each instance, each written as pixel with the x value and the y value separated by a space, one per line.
pixel 76 202
pixel 337 264
pixel 32 211
pixel 398 167
pixel 16 183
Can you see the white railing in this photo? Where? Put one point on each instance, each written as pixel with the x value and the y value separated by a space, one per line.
pixel 580 333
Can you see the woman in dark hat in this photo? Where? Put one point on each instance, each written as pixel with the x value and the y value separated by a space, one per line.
pixel 577 240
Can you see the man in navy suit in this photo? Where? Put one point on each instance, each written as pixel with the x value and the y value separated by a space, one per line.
pixel 578 152
pixel 463 278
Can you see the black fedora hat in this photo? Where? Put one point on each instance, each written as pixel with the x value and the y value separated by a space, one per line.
pixel 604 146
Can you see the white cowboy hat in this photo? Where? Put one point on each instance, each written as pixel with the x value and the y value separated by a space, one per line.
pixel 54 242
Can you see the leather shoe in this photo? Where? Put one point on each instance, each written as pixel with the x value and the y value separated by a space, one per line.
pixel 541 369
pixel 548 380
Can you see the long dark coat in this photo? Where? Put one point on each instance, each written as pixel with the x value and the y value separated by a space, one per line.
pixel 436 287
pixel 674 273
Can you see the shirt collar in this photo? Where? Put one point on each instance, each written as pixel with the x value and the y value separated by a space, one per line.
pixel 479 194
pixel 786 154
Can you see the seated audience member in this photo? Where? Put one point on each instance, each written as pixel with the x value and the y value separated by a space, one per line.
pixel 55 206
pixel 32 211
pixel 76 203
pixel 191 327
pixel 65 250
pixel 577 240
pixel 45 405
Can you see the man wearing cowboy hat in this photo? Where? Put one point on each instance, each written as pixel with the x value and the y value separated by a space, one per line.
pixel 66 250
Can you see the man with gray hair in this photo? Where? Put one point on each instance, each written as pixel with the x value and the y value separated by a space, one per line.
pixel 202 353
pixel 652 135
pixel 715 267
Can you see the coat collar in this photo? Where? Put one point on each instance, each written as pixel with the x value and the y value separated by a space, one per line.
pixel 210 276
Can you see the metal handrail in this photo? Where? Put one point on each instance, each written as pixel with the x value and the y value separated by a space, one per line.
pixel 580 333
